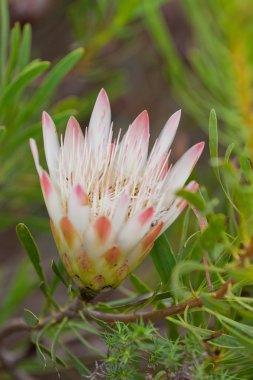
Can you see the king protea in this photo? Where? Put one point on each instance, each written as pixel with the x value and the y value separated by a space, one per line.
pixel 107 199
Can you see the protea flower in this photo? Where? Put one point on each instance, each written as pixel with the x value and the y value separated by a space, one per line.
pixel 107 200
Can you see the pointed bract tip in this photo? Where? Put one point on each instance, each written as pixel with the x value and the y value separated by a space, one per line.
pixel 195 152
pixel 72 119
pixel 174 120
pixel 172 125
pixel 199 147
pixel 102 96
pixel 45 115
pixel 73 125
pixel 141 124
pixel 46 119
pixel 143 116
pixel 178 113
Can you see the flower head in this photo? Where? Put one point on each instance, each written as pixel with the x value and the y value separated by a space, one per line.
pixel 107 199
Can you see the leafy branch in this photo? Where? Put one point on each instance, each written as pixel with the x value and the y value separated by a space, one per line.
pixel 17 325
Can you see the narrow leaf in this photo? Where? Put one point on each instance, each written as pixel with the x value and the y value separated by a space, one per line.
pixel 2 132
pixel 32 71
pixel 163 258
pixel 30 318
pixel 246 168
pixel 213 140
pixel 14 48
pixel 31 249
pixel 39 347
pixel 58 360
pixel 193 198
pixel 229 151
pixel 58 273
pixel 56 337
pixel 4 20
pixel 50 83
pixel 25 47
pixel 139 285
pixel 214 154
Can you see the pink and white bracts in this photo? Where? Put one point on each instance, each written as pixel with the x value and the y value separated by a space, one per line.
pixel 107 200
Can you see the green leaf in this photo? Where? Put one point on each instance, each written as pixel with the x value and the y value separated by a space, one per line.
pixel 229 151
pixel 58 273
pixel 4 20
pixel 56 337
pixel 186 268
pixel 213 232
pixel 244 275
pixel 163 258
pixel 31 71
pixel 31 249
pixel 50 301
pixel 59 270
pixel 242 331
pixel 50 83
pixel 25 47
pixel 14 48
pixel 184 232
pixel 85 326
pixel 213 141
pixel 193 198
pixel 39 347
pixel 139 285
pixel 58 360
pixel 246 168
pixel 2 132
pixel 30 318
pixel 103 324
pixel 213 147
pixel 40 355
pixel 144 300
